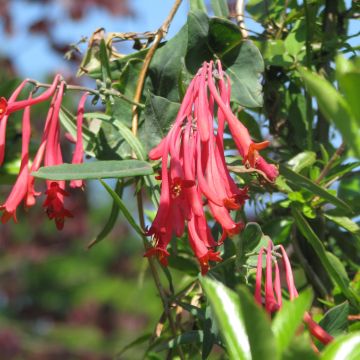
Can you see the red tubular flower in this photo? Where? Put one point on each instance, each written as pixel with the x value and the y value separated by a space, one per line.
pixel 54 203
pixel 79 148
pixel 273 303
pixel 196 174
pixel 19 190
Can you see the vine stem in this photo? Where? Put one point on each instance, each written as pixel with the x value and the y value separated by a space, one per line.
pixel 141 80
pixel 240 11
pixel 161 32
pixel 112 92
pixel 330 163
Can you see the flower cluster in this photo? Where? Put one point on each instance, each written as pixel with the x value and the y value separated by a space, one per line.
pixel 48 154
pixel 272 283
pixel 197 173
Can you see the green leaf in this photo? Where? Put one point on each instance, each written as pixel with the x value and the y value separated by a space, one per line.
pixel 334 107
pixel 300 349
pixel 257 324
pixel 345 223
pixel 165 68
pixel 349 189
pixel 345 347
pixel 160 113
pixel 124 131
pixel 184 264
pixel 301 181
pixel 109 225
pixel 327 262
pixel 335 321
pixel 220 8
pixel 140 340
pixel 104 60
pixel 302 161
pixel 241 59
pixel 123 208
pixel 295 41
pixel 189 337
pixel 69 123
pixel 250 237
pixel 288 319
pixel 197 5
pixel 348 75
pixel 273 52
pixel 95 170
pixel 226 307
pixel 219 38
pixel 211 332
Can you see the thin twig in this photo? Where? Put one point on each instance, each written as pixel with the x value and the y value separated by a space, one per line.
pixel 331 162
pixel 137 97
pixel 141 80
pixel 240 10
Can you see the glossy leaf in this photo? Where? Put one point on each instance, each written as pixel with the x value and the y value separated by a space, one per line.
pixel 160 113
pixel 301 181
pixel 258 327
pixel 334 107
pixel 302 161
pixel 288 319
pixel 226 307
pixel 95 170
pixel 344 347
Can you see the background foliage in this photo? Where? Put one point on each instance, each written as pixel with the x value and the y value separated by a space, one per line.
pixel 58 300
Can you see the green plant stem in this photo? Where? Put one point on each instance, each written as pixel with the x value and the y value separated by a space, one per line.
pixel 135 121
pixel 331 162
pixel 162 31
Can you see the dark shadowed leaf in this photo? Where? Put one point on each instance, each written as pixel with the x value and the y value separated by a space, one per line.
pixel 335 321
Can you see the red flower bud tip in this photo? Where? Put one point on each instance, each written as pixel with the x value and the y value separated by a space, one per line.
pixel 54 204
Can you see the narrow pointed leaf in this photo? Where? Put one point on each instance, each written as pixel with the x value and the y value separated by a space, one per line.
pixel 123 208
pixel 301 181
pixel 334 107
pixel 289 318
pixel 258 326
pixel 328 264
pixel 226 307
pixel 109 225
pixel 106 169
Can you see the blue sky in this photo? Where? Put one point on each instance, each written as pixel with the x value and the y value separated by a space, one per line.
pixel 31 52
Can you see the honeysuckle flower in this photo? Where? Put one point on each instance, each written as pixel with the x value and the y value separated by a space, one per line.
pixel 78 155
pixel 273 294
pixel 10 106
pixel 20 187
pixel 54 202
pixel 197 175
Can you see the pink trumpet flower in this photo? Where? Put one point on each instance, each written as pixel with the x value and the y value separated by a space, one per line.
pixel 54 203
pixel 20 187
pixel 273 295
pixel 196 174
pixel 78 156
